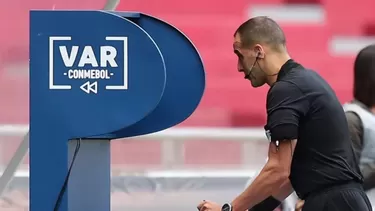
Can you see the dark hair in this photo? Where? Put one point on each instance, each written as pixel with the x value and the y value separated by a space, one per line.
pixel 364 76
pixel 263 30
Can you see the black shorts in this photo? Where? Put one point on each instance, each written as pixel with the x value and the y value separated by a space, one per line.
pixel 348 197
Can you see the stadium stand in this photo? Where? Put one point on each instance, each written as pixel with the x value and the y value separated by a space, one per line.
pixel 324 35
pixel 321 34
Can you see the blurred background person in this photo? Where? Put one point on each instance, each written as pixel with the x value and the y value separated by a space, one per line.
pixel 360 113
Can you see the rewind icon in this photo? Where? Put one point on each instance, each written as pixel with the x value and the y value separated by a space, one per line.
pixel 90 87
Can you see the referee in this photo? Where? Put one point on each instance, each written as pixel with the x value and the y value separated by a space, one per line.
pixel 310 148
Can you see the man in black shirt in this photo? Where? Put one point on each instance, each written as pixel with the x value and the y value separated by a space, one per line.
pixel 310 148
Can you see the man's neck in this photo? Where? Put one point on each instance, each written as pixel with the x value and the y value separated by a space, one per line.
pixel 275 66
pixel 271 80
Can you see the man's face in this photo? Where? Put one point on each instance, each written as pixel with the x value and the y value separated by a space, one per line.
pixel 248 63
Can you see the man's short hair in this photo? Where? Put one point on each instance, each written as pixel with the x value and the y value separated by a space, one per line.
pixel 364 76
pixel 262 30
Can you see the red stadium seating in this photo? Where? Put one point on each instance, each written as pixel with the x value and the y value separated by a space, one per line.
pixel 14 39
pixel 229 100
pixel 166 7
pixel 302 38
pixel 349 17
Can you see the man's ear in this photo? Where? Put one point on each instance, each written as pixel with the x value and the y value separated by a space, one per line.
pixel 259 51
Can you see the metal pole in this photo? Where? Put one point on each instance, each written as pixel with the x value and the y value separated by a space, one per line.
pixel 111 4
pixel 12 167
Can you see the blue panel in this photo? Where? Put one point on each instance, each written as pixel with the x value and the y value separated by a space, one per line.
pixel 96 74
pixel 185 78
pixel 78 60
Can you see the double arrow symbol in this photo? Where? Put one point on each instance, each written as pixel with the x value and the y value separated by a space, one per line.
pixel 90 87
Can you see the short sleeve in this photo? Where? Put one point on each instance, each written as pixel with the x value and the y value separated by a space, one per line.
pixel 286 105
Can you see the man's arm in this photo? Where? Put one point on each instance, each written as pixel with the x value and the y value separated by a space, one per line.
pixel 286 105
pixel 284 191
pixel 272 180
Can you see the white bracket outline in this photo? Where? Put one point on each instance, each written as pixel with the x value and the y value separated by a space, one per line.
pixel 124 86
pixel 51 82
pixel 52 39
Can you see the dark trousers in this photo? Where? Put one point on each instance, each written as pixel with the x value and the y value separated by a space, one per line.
pixel 347 197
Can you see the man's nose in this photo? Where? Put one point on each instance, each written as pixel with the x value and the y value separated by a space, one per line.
pixel 239 67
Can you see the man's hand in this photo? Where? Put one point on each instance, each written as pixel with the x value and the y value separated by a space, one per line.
pixel 299 205
pixel 208 206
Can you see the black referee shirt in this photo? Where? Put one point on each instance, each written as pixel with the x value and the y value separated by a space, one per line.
pixel 301 105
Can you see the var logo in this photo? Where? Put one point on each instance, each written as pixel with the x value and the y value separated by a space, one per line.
pixel 102 63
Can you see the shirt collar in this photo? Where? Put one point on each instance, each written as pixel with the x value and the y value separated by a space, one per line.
pixel 287 67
